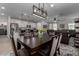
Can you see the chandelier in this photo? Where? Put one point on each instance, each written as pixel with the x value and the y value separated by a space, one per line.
pixel 40 11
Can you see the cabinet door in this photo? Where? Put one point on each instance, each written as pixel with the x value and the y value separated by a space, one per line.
pixel 65 38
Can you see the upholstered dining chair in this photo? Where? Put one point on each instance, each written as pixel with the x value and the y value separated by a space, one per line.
pixel 45 36
pixel 35 33
pixel 27 34
pixel 59 42
pixel 20 52
pixel 54 46
pixel 13 45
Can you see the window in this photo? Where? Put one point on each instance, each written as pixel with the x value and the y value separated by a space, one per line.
pixel 71 26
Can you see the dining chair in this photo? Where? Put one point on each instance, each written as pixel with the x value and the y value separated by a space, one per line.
pixel 13 45
pixel 59 42
pixel 54 46
pixel 51 49
pixel 20 52
pixel 27 34
pixel 51 32
pixel 35 33
pixel 45 36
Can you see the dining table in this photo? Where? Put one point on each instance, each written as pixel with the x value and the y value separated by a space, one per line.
pixel 33 44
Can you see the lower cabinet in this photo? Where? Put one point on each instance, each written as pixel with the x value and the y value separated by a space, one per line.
pixel 65 38
pixel 3 32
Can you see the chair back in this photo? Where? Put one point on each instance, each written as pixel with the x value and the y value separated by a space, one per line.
pixel 14 46
pixel 45 36
pixel 14 38
pixel 18 51
pixel 59 40
pixel 35 33
pixel 27 34
pixel 54 45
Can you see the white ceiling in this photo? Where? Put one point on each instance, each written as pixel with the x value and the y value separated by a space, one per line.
pixel 15 10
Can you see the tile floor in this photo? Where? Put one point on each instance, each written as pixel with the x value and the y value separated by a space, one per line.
pixel 5 45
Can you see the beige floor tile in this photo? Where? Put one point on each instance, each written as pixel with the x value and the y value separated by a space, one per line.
pixel 5 45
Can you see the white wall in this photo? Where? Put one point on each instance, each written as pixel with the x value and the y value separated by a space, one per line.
pixel 50 26
pixel 3 21
pixel 33 25
pixel 65 20
pixel 23 23
pixel 40 24
pixel 20 22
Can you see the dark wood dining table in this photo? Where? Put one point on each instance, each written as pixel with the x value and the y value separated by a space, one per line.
pixel 33 44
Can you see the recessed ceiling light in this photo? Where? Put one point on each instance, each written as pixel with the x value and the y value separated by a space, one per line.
pixel 2 14
pixel 52 5
pixel 2 7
